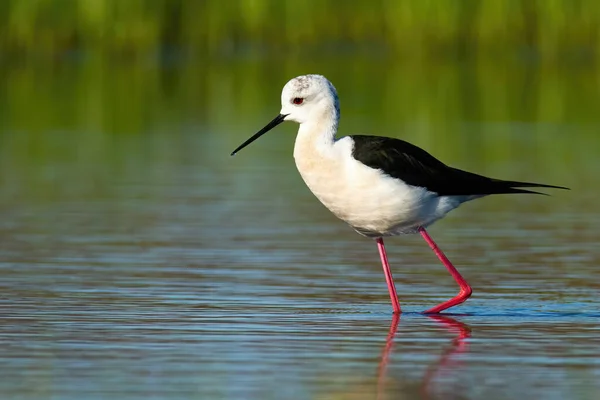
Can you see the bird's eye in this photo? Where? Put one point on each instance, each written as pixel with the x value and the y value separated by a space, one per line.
pixel 298 100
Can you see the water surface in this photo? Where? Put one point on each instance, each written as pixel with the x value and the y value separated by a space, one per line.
pixel 139 260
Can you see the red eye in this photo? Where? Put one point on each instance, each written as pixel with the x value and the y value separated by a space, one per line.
pixel 298 100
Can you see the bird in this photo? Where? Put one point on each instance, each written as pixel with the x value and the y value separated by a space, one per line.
pixel 380 186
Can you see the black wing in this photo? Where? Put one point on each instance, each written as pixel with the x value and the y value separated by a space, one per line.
pixel 416 167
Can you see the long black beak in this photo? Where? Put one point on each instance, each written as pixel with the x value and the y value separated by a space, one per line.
pixel 278 119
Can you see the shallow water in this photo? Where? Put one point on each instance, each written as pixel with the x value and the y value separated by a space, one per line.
pixel 139 260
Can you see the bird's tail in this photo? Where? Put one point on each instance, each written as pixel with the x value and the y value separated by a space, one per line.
pixel 501 186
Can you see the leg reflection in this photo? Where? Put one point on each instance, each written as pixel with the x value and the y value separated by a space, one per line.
pixel 445 363
pixel 385 355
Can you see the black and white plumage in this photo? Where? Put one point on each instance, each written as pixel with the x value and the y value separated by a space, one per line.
pixel 414 166
pixel 380 186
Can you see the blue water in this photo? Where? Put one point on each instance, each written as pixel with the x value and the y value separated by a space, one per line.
pixel 147 263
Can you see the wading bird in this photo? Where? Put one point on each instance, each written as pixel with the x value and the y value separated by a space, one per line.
pixel 380 186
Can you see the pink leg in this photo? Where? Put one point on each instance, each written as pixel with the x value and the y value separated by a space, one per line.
pixel 465 289
pixel 388 276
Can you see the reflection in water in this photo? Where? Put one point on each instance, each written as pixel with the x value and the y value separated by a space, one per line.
pixel 437 369
pixel 137 260
pixel 459 345
pixel 385 355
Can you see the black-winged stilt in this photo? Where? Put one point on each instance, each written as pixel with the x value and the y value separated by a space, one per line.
pixel 380 186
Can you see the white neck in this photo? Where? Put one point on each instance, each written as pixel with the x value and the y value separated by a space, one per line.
pixel 318 133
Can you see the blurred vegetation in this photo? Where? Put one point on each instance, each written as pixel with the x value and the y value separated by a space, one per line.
pixel 476 112
pixel 545 28
pixel 483 116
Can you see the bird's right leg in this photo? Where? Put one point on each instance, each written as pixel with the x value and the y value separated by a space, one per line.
pixel 388 276
pixel 465 288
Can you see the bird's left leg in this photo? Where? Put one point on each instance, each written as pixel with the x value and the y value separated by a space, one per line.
pixel 465 289
pixel 388 276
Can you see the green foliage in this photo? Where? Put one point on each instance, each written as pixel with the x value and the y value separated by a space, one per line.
pixel 548 28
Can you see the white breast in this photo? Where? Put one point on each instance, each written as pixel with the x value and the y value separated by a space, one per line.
pixel 370 201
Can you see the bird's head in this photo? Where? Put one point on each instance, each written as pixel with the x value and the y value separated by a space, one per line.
pixel 304 98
